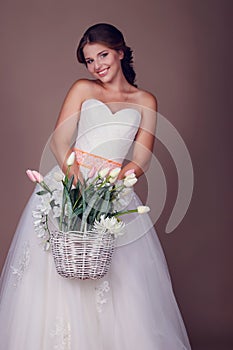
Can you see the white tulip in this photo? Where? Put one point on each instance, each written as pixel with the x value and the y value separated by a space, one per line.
pixel 130 182
pixel 104 172
pixel 71 159
pixel 112 179
pixel 114 172
pixel 130 176
pixel 142 209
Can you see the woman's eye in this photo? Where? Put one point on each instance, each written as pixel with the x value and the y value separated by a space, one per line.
pixel 89 61
pixel 104 54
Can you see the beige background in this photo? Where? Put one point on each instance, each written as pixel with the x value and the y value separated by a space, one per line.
pixel 181 55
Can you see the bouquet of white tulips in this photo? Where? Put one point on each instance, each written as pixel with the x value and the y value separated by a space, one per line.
pixel 86 206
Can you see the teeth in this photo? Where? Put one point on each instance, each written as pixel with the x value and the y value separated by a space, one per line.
pixel 103 71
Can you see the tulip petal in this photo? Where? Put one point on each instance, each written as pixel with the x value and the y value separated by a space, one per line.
pixel 71 159
pixel 115 172
pixel 130 176
pixel 130 171
pixel 30 175
pixel 130 182
pixel 39 178
pixel 104 172
pixel 142 209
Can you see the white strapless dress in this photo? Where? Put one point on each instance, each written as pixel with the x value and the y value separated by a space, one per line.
pixel 133 307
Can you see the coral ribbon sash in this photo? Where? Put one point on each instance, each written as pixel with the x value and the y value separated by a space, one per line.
pixel 90 160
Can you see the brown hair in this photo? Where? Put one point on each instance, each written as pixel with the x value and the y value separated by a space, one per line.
pixel 110 36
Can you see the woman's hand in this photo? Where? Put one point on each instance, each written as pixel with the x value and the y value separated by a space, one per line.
pixel 130 166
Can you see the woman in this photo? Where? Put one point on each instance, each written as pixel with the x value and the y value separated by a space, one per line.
pixel 133 307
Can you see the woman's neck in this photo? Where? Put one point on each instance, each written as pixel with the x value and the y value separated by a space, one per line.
pixel 117 86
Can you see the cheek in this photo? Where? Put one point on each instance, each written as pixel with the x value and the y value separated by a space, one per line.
pixel 90 68
pixel 116 60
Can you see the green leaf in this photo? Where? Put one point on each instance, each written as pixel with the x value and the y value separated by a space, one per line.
pixel 70 183
pixel 104 209
pixel 75 223
pixel 95 210
pixel 68 202
pixel 78 211
pixel 41 193
pixel 74 194
pixel 88 209
pixel 69 206
pixel 63 207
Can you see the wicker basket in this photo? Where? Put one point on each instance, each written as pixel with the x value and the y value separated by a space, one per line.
pixel 83 255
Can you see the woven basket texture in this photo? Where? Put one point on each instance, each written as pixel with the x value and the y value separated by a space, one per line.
pixel 83 255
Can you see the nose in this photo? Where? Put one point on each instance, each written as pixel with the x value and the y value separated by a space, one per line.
pixel 97 64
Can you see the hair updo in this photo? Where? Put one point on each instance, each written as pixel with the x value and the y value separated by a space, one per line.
pixel 110 36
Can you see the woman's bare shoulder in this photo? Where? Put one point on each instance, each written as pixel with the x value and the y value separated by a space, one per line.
pixel 75 96
pixel 81 85
pixel 147 99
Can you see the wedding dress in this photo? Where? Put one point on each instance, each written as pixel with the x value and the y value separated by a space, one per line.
pixel 133 307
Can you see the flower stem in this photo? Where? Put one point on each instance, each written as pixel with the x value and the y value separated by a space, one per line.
pixel 119 213
pixel 43 185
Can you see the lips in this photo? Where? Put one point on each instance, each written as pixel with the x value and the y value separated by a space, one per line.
pixel 103 72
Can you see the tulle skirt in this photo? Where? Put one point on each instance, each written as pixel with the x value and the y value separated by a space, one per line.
pixel 133 307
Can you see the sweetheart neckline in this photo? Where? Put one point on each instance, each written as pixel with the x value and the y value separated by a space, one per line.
pixel 114 114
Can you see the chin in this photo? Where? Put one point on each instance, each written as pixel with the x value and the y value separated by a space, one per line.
pixel 105 78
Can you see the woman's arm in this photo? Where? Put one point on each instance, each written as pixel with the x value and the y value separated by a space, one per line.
pixel 66 126
pixel 144 140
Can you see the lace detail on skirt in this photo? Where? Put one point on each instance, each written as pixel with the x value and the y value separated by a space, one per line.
pixel 23 263
pixel 61 335
pixel 100 295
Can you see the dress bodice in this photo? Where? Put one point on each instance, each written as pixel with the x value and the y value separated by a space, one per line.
pixel 104 133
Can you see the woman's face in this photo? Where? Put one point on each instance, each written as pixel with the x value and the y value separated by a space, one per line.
pixel 103 63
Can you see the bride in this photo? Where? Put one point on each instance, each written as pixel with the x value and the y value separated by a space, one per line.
pixel 133 306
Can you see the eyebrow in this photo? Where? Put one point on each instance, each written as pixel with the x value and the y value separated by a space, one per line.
pixel 99 53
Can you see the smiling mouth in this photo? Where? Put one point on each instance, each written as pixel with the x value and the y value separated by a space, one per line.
pixel 103 72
